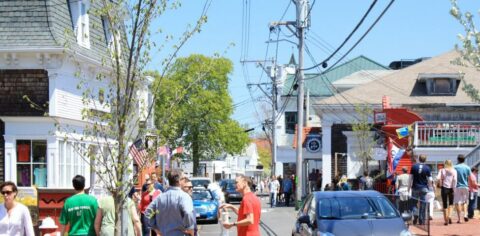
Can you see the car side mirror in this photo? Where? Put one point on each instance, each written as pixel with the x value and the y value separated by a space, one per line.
pixel 406 216
pixel 305 219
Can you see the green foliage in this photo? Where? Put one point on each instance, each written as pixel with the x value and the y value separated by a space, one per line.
pixel 193 108
pixel 470 45
pixel 362 130
pixel 265 158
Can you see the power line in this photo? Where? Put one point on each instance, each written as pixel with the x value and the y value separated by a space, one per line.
pixel 323 63
pixel 362 37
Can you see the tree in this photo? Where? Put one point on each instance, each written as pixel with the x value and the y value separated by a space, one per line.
pixel 200 121
pixel 470 46
pixel 363 131
pixel 114 110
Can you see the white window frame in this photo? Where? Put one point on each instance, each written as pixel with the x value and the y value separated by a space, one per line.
pixel 80 21
pixel 70 162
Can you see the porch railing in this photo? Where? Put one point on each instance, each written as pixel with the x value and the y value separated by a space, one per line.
pixel 447 134
pixel 473 157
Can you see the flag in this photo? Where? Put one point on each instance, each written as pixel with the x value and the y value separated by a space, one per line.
pixel 393 157
pixel 138 152
pixel 389 158
pixel 163 150
pixel 404 131
pixel 397 154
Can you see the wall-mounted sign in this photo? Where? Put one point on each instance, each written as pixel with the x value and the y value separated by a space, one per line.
pixel 314 144
pixel 380 118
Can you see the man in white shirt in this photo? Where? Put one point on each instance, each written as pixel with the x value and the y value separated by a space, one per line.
pixel 274 185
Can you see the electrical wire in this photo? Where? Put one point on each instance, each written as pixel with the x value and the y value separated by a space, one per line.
pixel 361 38
pixel 348 37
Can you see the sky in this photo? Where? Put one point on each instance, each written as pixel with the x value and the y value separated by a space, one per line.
pixel 239 30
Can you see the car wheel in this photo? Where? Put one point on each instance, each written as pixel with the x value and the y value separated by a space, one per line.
pixel 215 221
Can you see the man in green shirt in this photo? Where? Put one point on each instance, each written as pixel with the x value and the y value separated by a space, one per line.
pixel 79 210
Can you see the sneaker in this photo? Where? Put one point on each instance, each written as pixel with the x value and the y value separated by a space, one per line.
pixel 466 219
pixel 450 220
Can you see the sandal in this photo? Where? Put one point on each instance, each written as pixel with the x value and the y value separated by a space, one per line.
pixel 450 220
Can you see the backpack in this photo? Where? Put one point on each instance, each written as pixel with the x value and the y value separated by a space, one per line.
pixel 368 183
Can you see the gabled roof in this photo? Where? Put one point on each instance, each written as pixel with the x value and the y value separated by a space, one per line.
pixel 317 84
pixel 41 24
pixel 402 86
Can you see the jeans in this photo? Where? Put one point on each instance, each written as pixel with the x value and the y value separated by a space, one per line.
pixel 145 228
pixel 472 204
pixel 273 199
pixel 419 195
pixel 287 198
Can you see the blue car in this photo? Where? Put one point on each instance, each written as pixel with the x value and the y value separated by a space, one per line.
pixel 205 204
pixel 339 213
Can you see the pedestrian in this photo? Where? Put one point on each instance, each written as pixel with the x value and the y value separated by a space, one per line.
pixel 188 188
pixel 15 217
pixel 460 196
pixel 401 185
pixel 149 193
pixel 318 183
pixel 366 182
pixel 287 189
pixel 447 179
pixel 343 184
pixel 273 187
pixel 132 203
pixel 262 186
pixel 157 182
pixel 419 185
pixel 79 210
pixel 473 190
pixel 280 190
pixel 172 212
pixel 248 221
pixel 105 218
pixel 312 180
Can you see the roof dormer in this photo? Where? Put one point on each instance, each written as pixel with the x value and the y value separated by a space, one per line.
pixel 440 84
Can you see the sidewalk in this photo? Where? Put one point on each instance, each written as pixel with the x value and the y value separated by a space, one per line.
pixel 437 228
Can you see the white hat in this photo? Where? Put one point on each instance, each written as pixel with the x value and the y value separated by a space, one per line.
pixel 48 223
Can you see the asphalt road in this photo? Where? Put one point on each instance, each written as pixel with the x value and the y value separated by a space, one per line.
pixel 276 221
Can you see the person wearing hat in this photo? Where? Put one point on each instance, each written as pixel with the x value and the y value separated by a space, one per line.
pixel 48 227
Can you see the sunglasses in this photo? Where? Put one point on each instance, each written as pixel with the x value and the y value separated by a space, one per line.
pixel 188 187
pixel 7 192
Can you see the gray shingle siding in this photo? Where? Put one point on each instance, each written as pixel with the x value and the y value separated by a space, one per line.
pixel 34 23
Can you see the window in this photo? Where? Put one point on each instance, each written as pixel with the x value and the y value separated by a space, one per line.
pixel 80 21
pixel 107 31
pixel 73 160
pixel 32 163
pixel 290 122
pixel 442 86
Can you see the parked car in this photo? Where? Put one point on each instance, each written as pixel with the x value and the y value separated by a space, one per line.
pixel 333 213
pixel 200 181
pixel 230 192
pixel 206 206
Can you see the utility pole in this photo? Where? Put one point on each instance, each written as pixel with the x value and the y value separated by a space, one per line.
pixel 272 73
pixel 300 24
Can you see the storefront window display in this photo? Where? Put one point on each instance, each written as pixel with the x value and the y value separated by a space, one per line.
pixel 32 163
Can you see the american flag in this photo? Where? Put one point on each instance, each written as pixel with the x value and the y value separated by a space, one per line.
pixel 138 152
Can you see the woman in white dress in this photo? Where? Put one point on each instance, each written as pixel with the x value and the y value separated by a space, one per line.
pixel 15 217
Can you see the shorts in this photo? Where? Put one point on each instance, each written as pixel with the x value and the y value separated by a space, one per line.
pixel 460 196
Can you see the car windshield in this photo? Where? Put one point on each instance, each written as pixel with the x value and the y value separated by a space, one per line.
pixel 200 182
pixel 231 186
pixel 201 195
pixel 355 208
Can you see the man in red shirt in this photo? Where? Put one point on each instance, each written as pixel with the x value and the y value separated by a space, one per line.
pixel 249 213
